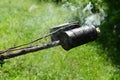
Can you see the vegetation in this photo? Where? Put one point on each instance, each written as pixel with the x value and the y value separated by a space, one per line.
pixel 24 20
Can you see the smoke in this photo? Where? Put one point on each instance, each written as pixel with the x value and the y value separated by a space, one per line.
pixel 85 15
pixel 94 18
pixel 88 7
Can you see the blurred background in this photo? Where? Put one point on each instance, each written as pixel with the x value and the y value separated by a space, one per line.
pixel 25 20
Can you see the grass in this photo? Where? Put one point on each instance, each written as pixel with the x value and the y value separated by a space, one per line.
pixel 22 21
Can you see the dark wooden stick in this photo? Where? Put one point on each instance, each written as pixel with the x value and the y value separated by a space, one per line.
pixel 28 50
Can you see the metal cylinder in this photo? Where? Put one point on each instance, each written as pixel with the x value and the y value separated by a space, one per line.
pixel 78 36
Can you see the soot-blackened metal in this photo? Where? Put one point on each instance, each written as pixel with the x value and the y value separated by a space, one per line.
pixel 78 36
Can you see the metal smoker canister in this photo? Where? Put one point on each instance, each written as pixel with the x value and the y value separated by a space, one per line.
pixel 78 36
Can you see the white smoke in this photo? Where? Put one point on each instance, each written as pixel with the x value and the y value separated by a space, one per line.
pixel 94 18
pixel 86 16
pixel 88 7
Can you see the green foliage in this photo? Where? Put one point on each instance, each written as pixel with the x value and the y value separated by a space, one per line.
pixel 111 32
pixel 24 20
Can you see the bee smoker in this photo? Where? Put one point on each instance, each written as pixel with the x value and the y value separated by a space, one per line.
pixel 78 36
pixel 69 35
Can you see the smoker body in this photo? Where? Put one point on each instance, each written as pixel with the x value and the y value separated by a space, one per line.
pixel 78 36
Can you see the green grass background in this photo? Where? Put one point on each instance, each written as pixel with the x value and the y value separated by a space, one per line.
pixel 24 20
